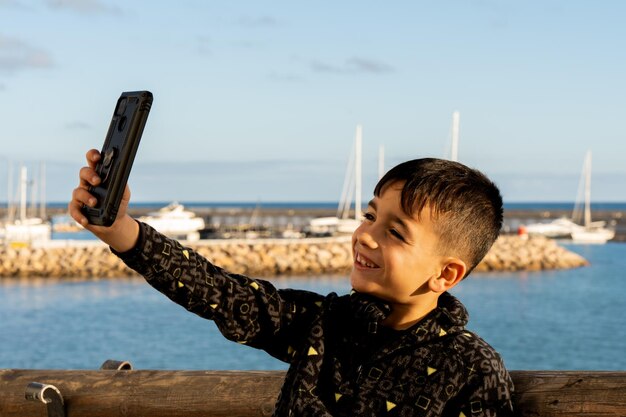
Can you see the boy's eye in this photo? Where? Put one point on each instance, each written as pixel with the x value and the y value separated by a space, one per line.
pixel 396 234
pixel 368 217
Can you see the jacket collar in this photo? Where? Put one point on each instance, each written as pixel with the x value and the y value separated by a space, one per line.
pixel 450 316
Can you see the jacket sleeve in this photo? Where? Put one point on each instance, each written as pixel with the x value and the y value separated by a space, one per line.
pixel 246 310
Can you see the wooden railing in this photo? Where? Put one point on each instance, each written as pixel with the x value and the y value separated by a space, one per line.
pixel 131 393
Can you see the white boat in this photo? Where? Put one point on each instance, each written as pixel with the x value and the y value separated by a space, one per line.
pixel 341 223
pixel 176 222
pixel 290 233
pixel 25 230
pixel 590 232
pixel 28 231
pixel 587 232
pixel 558 228
pixel 593 235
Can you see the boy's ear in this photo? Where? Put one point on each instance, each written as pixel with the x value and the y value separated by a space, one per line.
pixel 452 272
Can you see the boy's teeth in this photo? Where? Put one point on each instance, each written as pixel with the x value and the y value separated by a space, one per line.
pixel 363 262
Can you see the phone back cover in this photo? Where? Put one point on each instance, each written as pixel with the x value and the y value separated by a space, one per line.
pixel 118 154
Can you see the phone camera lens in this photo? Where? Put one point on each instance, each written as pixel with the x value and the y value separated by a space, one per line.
pixel 121 106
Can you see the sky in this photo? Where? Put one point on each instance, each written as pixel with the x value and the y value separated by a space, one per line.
pixel 259 100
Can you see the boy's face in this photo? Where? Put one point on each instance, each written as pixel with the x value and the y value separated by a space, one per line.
pixel 394 254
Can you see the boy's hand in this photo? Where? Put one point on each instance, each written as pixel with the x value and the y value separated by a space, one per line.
pixel 123 233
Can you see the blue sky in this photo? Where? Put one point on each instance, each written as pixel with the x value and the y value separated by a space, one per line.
pixel 259 100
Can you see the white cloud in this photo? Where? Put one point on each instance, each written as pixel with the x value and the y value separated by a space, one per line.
pixel 16 55
pixel 77 125
pixel 84 6
pixel 355 65
pixel 258 21
pixel 368 65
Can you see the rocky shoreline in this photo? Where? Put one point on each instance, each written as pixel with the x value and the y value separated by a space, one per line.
pixel 264 258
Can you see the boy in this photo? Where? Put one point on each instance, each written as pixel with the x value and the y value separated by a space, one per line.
pixel 396 345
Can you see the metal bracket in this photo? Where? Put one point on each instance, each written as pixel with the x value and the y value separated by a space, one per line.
pixel 47 394
pixel 114 365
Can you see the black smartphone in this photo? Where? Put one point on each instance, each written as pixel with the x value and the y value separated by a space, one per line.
pixel 118 154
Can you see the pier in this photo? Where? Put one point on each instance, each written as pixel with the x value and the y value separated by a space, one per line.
pixel 138 393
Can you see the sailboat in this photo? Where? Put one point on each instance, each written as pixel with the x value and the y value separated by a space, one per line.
pixel 25 230
pixel 590 232
pixel 587 232
pixel 342 223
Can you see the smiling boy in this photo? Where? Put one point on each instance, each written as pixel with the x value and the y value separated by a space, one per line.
pixel 397 345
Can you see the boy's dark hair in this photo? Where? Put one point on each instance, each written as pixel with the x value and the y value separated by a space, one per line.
pixel 466 207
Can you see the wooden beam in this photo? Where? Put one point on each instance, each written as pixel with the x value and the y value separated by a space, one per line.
pixel 253 393
pixel 570 393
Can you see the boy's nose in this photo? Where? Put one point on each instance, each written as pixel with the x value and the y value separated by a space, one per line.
pixel 366 239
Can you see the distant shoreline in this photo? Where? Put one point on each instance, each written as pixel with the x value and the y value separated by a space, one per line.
pixel 515 214
pixel 514 208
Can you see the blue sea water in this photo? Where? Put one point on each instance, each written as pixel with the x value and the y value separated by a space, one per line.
pixel 570 319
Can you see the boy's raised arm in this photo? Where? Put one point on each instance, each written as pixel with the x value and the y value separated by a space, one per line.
pixel 246 310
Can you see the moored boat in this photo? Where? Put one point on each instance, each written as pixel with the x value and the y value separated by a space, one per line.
pixel 176 222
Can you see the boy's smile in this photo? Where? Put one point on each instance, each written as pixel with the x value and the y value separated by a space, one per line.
pixel 361 262
pixel 395 255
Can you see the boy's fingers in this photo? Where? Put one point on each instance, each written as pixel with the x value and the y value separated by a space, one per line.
pixel 83 197
pixel 74 209
pixel 80 198
pixel 93 156
pixel 88 176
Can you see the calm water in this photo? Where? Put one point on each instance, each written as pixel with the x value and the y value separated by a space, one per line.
pixel 551 320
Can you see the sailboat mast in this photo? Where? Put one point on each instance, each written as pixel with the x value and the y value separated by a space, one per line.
pixel 588 189
pixel 42 191
pixel 33 197
pixel 23 187
pixel 357 172
pixel 10 193
pixel 381 161
pixel 454 153
pixel 343 210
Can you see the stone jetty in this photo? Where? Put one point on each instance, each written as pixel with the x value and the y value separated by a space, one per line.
pixel 524 253
pixel 263 257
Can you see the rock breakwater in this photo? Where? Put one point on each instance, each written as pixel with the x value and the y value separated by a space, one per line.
pixel 515 253
pixel 261 257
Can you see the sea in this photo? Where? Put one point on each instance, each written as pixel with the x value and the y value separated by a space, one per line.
pixel 549 320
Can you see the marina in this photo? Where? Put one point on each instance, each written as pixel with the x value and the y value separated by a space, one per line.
pixel 273 218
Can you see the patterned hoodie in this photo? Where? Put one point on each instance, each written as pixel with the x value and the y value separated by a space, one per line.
pixel 343 362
